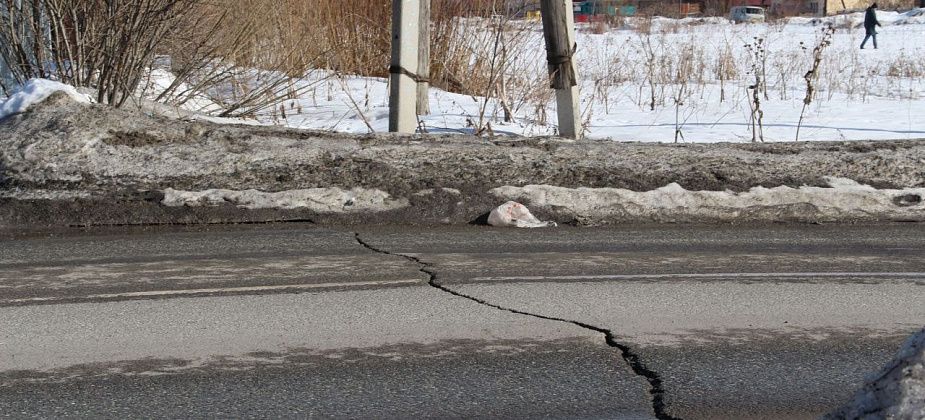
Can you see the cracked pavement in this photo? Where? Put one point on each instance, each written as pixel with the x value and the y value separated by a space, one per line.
pixel 639 368
pixel 778 321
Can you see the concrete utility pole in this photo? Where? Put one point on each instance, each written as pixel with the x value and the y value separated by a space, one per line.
pixel 403 82
pixel 423 107
pixel 559 32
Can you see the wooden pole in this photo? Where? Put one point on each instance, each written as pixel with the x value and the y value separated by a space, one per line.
pixel 402 81
pixel 559 33
pixel 423 105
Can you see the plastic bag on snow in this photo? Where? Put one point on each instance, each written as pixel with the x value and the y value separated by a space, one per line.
pixel 516 215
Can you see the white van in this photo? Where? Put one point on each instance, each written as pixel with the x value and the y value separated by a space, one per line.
pixel 746 14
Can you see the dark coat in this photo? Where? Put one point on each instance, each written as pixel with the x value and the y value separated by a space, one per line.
pixel 870 20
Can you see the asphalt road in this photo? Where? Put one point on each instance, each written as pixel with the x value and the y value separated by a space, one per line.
pixel 776 321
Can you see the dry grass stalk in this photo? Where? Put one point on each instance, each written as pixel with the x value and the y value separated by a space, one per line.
pixel 757 56
pixel 813 74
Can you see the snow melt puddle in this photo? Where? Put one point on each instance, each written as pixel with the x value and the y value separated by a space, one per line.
pixel 321 200
pixel 844 199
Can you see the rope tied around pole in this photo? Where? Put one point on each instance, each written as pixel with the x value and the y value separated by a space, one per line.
pixel 406 72
pixel 560 68
pixel 557 59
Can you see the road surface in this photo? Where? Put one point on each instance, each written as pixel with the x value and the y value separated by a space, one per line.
pixel 296 320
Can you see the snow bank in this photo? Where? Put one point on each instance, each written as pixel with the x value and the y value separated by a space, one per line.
pixel 897 391
pixel 660 22
pixel 856 19
pixel 912 17
pixel 321 200
pixel 843 200
pixel 706 20
pixel 159 80
pixel 35 91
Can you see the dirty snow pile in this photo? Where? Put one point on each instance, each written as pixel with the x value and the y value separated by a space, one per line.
pixel 856 19
pixel 897 391
pixel 35 91
pixel 843 200
pixel 320 200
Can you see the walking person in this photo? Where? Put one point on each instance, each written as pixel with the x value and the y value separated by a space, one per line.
pixel 870 25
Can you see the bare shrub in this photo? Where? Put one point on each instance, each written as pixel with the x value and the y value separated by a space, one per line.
pixel 906 66
pixel 663 9
pixel 243 62
pixel 290 37
pixel 320 34
pixel 615 21
pixel 651 63
pixel 690 67
pixel 784 65
pixel 725 68
pixel 356 39
pixel 895 4
pixel 497 63
pixel 813 73
pixel 671 27
pixel 680 95
pixel 643 25
pixel 598 27
pixel 757 55
pixel 88 43
pixel 715 7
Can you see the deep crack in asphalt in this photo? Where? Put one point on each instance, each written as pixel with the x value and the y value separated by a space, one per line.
pixel 656 390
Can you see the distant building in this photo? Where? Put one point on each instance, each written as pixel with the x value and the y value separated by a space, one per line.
pixel 826 7
pixel 797 7
pixel 587 8
pixel 834 7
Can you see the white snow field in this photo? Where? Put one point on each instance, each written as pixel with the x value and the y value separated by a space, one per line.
pixel 654 80
pixel 861 94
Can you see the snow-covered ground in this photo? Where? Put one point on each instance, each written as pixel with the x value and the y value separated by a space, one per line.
pixel 697 70
pixel 34 91
pixel 862 94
